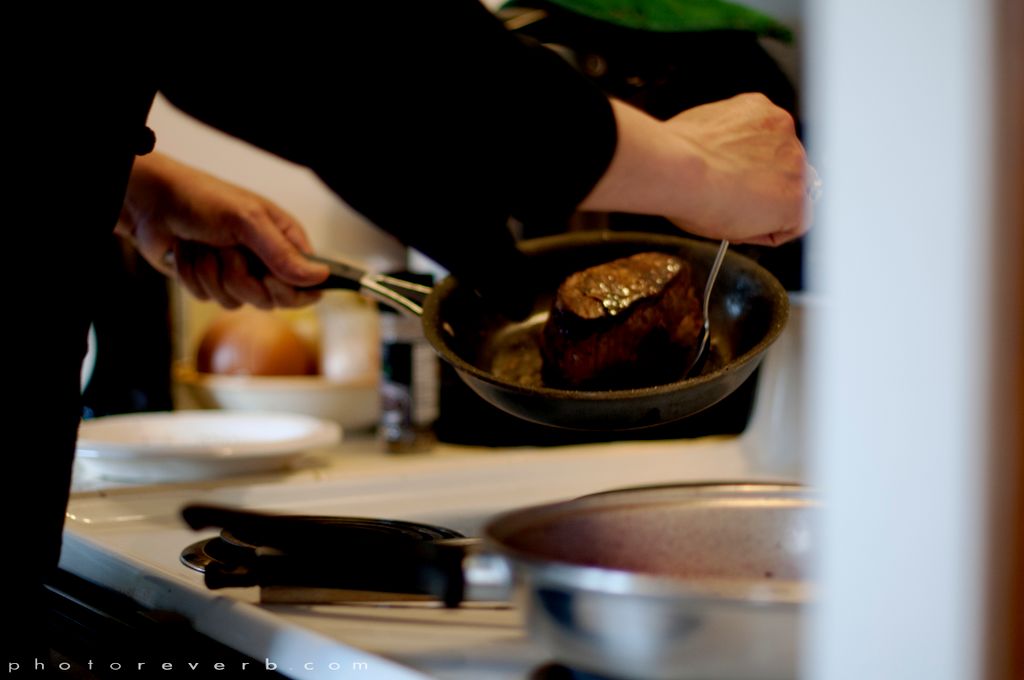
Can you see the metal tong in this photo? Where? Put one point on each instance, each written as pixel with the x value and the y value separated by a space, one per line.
pixel 403 296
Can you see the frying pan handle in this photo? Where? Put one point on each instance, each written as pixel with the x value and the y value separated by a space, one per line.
pixel 459 570
pixel 207 516
pixel 452 569
pixel 402 296
pixel 343 276
pixel 280 530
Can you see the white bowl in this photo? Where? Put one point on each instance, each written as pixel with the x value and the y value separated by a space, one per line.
pixel 354 406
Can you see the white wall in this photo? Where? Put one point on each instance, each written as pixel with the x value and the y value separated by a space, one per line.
pixel 900 120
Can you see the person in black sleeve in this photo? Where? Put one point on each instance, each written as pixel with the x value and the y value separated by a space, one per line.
pixel 431 119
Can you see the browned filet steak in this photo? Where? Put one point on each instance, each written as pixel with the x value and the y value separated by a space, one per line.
pixel 626 323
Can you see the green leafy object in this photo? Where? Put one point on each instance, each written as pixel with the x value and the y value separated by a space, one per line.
pixel 673 16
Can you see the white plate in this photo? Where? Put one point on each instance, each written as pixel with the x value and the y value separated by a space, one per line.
pixel 182 445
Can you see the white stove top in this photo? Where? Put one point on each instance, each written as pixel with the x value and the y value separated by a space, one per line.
pixel 130 539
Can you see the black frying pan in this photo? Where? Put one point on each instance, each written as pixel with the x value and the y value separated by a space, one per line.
pixel 749 308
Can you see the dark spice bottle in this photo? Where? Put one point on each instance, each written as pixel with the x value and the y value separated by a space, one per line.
pixel 410 382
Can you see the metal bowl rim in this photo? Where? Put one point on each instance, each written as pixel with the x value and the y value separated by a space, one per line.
pixel 538 571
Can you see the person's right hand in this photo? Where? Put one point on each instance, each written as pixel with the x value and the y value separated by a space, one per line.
pixel 754 186
pixel 732 169
pixel 222 241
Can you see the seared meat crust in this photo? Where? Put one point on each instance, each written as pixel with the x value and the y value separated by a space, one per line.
pixel 626 323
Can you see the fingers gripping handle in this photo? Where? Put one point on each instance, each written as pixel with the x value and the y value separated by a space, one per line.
pixel 343 276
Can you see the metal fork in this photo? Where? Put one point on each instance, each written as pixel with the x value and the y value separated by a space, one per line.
pixel 705 331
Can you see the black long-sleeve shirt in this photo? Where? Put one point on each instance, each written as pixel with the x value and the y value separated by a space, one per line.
pixel 429 118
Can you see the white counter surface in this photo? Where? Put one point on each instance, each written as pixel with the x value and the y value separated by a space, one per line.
pixel 130 538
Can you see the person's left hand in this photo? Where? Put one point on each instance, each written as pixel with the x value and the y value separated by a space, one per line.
pixel 224 242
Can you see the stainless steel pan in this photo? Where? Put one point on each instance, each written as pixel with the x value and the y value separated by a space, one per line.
pixel 748 311
pixel 665 583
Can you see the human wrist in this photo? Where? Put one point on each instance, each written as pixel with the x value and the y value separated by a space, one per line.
pixel 653 171
pixel 148 188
